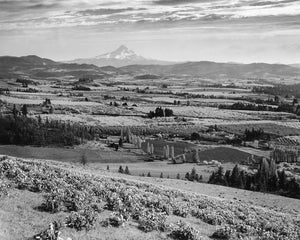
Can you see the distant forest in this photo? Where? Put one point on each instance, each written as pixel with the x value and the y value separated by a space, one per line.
pixel 266 179
pixel 280 90
pixel 289 108
pixel 21 130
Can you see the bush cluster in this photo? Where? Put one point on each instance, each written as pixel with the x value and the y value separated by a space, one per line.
pixel 84 196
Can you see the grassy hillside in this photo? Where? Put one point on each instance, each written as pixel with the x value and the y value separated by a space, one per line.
pixel 88 205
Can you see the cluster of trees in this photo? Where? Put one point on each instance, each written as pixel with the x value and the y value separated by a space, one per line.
pixel 282 107
pixel 81 88
pixel 266 179
pixel 280 89
pixel 85 80
pixel 148 175
pixel 30 90
pixel 4 91
pixel 193 176
pixel 27 131
pixel 247 106
pixel 290 108
pixel 236 178
pixel 147 76
pixel 162 175
pixel 124 104
pixel 160 112
pixel 255 134
pixel 25 82
pixel 124 98
pixel 126 171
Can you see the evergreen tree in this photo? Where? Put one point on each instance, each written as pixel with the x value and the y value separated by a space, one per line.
pixel 120 142
pixel 234 178
pixel 107 167
pixel 249 182
pixel 149 174
pixel 219 177
pixel 282 179
pixel 187 176
pixel 39 120
pixel 161 175
pixel 193 174
pixel 227 177
pixel 293 188
pixel 127 170
pixel 242 180
pixel 15 111
pixel 295 101
pixel 272 183
pixel 212 178
pixel 195 156
pixel 121 170
pixel 24 110
pixel 83 159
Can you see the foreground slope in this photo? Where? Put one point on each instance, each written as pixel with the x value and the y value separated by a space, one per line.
pixel 110 206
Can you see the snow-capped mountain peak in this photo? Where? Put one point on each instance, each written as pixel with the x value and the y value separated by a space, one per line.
pixel 122 56
pixel 121 53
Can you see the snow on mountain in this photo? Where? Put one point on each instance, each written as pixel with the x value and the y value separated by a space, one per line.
pixel 121 53
pixel 122 56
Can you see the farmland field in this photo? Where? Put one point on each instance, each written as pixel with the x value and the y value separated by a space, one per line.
pixel 70 155
pixel 278 128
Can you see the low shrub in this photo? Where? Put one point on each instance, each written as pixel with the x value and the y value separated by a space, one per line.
pixel 116 220
pixel 150 221
pixel 184 232
pixel 84 219
pixel 226 232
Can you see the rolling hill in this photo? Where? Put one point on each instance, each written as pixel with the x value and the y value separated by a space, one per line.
pixel 215 70
pixel 42 68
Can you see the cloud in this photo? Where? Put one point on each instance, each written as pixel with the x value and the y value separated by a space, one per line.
pixel 105 11
pixel 176 2
pixel 18 14
pixel 268 3
pixel 43 6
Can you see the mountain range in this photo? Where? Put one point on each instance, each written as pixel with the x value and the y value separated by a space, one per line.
pixel 122 56
pixel 214 70
pixel 41 68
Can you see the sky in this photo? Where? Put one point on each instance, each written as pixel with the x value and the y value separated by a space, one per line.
pixel 174 30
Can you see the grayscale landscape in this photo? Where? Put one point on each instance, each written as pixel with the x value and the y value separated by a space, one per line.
pixel 149 119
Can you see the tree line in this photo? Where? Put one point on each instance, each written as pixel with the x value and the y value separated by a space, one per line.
pixel 282 107
pixel 21 130
pixel 160 112
pixel 266 179
pixel 255 134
